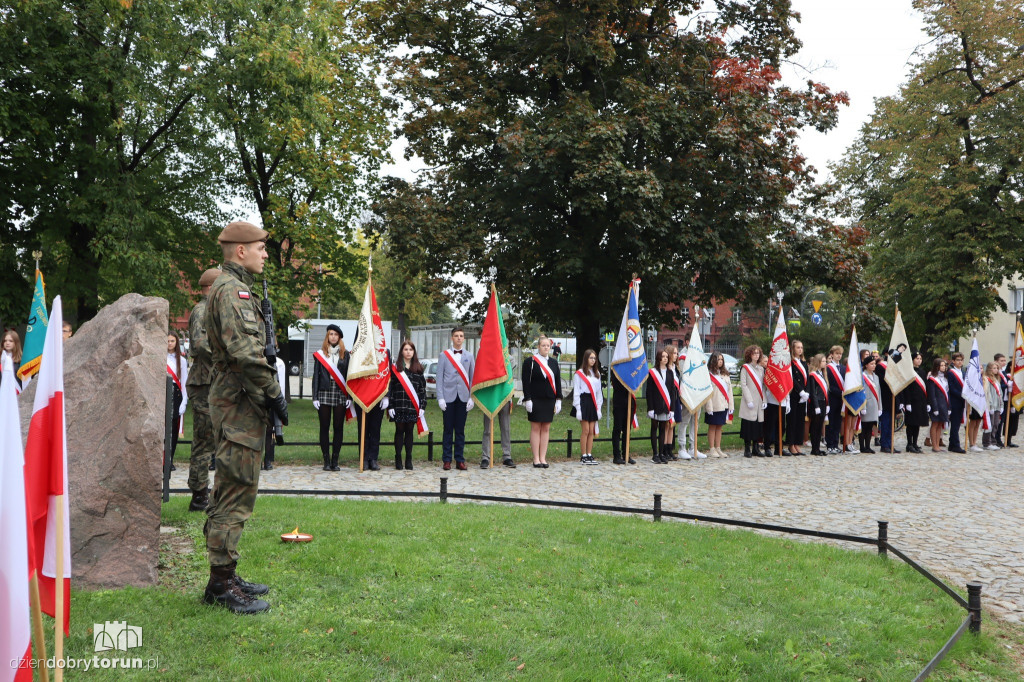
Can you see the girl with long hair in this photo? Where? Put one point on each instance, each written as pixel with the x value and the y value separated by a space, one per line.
pixel 719 405
pixel 177 368
pixel 542 398
pixel 401 408
pixel 661 397
pixel 752 402
pixel 586 402
pixel 329 399
pixel 10 348
pixel 938 402
pixel 817 404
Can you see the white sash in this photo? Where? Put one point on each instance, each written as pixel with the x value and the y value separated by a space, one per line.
pixel 659 383
pixel 593 399
pixel 410 390
pixel 458 366
pixel 757 384
pixel 542 363
pixel 338 379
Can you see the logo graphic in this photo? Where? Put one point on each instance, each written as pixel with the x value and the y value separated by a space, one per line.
pixel 116 635
pixel 634 338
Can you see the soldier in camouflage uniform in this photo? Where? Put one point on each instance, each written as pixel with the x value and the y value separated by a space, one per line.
pixel 198 385
pixel 243 392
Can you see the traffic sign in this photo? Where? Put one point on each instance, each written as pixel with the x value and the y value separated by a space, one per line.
pixel 609 337
pixel 816 317
pixel 817 305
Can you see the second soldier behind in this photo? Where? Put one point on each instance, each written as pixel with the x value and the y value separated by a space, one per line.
pixel 198 385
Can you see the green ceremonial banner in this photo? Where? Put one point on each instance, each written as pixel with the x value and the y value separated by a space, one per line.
pixel 35 331
pixel 493 380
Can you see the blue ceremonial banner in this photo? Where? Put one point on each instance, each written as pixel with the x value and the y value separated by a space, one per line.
pixel 35 331
pixel 853 384
pixel 629 361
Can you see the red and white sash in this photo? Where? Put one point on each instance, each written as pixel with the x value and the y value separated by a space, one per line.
pixel 177 382
pixel 659 383
pixel 338 379
pixel 593 398
pixel 800 366
pixel 942 388
pixel 410 391
pixel 459 369
pixel 836 376
pixel 725 393
pixel 542 364
pixel 753 377
pixel 820 380
pixel 871 387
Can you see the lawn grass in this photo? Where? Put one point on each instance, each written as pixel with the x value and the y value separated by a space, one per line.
pixel 304 427
pixel 464 592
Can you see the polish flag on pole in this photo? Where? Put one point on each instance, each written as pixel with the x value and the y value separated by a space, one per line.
pixel 46 475
pixel 15 623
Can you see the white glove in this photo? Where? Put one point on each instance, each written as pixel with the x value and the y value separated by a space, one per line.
pixel 817 410
pixel 907 407
pixel 181 410
pixel 863 412
pixel 391 413
pixel 384 403
pixel 936 413
pixel 316 404
pixel 750 405
pixel 528 404
pixel 558 406
pixel 421 413
pixel 804 395
pixel 764 406
pixel 650 414
pixel 469 405
pixel 442 404
pixel 788 408
pixel 599 414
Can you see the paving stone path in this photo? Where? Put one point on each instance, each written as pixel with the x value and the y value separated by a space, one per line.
pixel 959 515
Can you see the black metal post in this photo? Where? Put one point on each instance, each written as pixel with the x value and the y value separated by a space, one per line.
pixel 883 537
pixel 302 380
pixel 657 506
pixel 568 443
pixel 430 447
pixel 444 490
pixel 974 606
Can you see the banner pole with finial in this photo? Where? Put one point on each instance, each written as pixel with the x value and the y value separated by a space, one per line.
pixel 892 411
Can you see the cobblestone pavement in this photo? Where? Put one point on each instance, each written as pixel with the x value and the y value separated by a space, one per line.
pixel 958 515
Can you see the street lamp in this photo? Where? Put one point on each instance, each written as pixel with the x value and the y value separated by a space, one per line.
pixel 803 301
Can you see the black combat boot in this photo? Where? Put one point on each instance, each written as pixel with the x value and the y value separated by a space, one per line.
pixel 222 590
pixel 334 462
pixel 200 500
pixel 327 461
pixel 408 461
pixel 746 449
pixel 398 462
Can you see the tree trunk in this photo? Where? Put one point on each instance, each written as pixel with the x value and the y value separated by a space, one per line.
pixel 84 271
pixel 588 335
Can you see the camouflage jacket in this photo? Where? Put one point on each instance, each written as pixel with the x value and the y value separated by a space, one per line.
pixel 242 380
pixel 199 373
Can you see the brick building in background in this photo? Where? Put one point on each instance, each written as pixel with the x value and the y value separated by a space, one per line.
pixel 722 331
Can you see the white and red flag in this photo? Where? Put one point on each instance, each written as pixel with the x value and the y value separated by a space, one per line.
pixel 15 623
pixel 369 369
pixel 46 474
pixel 778 378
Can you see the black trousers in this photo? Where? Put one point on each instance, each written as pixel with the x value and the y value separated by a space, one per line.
pixel 817 428
pixel 834 428
pixel 326 414
pixel 771 424
pixel 373 419
pixel 269 446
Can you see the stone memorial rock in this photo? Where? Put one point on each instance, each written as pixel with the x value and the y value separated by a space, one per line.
pixel 114 392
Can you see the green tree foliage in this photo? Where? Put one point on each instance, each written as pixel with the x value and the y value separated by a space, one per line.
pixel 936 174
pixel 295 91
pixel 574 143
pixel 107 163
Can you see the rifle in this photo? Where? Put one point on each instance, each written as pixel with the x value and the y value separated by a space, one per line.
pixel 271 353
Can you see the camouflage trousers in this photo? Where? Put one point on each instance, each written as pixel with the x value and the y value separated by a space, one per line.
pixel 202 441
pixel 232 499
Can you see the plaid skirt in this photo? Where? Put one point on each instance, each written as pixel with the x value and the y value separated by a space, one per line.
pixel 329 394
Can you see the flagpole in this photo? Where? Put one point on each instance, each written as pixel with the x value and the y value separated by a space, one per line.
pixel 892 412
pixel 695 434
pixel 1009 386
pixel 362 439
pixel 490 464
pixel 39 645
pixel 58 613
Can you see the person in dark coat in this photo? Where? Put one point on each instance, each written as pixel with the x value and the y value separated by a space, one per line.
pixel 330 400
pixel 623 410
pixel 887 413
pixel 835 373
pixel 661 400
pixel 798 398
pixel 401 409
pixel 938 401
pixel 817 404
pixel 914 399
pixel 542 398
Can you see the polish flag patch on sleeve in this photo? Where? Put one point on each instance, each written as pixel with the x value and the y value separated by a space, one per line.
pixel 243 294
